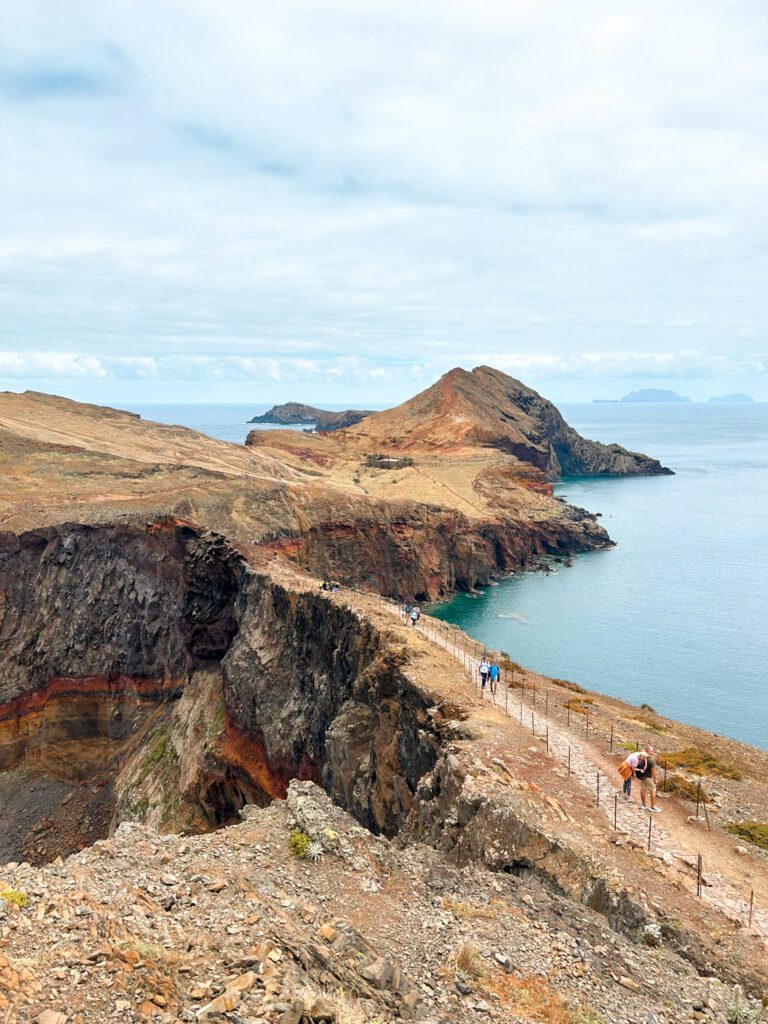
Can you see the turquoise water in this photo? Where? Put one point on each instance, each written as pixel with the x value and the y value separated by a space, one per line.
pixel 675 615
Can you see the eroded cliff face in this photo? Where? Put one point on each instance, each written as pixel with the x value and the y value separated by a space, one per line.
pixel 425 553
pixel 315 685
pixel 155 667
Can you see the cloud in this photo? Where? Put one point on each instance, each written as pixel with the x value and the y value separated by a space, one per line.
pixel 689 365
pixel 344 190
pixel 357 372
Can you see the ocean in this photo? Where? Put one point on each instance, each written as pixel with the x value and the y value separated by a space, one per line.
pixel 227 422
pixel 674 615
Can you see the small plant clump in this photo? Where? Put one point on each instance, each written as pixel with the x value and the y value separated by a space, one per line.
pixel 299 844
pixel 15 896
pixel 532 998
pixel 466 958
pixel 740 1013
pixel 314 852
pixel 566 684
pixel 755 832
pixel 586 1015
pixel 579 705
pixel 646 720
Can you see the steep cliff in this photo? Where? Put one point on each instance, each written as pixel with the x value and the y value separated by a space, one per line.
pixel 157 661
pixel 424 551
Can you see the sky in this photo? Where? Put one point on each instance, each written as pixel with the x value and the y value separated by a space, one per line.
pixel 217 200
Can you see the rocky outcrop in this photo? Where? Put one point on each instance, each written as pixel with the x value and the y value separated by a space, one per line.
pixel 487 408
pixel 294 412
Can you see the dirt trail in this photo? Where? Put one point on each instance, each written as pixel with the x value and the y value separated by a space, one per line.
pixel 673 838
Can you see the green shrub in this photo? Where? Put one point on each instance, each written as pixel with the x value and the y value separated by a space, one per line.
pixel 755 832
pixel 299 844
pixel 701 762
pixel 15 896
pixel 679 786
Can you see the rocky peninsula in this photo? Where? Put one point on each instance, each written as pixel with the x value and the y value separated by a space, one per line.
pixel 397 847
pixel 321 419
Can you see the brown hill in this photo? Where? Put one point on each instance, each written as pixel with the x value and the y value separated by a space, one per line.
pixel 487 408
pixel 438 525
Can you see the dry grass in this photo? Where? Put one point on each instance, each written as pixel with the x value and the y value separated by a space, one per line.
pixel 699 762
pixel 488 912
pixel 579 705
pixel 649 722
pixel 566 684
pixel 536 1000
pixel 347 1011
pixel 466 958
pixel 345 1007
pixel 532 998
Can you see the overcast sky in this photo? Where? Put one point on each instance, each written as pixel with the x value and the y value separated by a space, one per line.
pixel 215 200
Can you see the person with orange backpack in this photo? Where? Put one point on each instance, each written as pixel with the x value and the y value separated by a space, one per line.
pixel 627 770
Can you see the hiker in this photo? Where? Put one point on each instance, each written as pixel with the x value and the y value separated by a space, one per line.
pixel 414 616
pixel 646 772
pixel 627 770
pixel 485 668
pixel 407 611
pixel 493 673
pixel 418 612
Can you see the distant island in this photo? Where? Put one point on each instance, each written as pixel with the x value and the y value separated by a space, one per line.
pixel 654 395
pixel 737 398
pixel 294 412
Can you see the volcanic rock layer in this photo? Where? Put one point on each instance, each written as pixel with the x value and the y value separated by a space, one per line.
pixel 157 659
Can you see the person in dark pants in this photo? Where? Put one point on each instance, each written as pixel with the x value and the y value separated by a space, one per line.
pixel 627 771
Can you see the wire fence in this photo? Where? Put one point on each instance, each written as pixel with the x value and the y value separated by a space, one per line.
pixel 540 705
